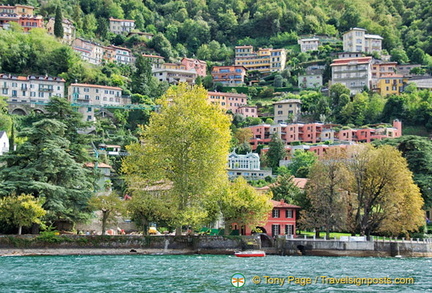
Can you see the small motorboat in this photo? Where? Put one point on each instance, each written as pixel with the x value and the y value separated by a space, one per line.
pixel 250 253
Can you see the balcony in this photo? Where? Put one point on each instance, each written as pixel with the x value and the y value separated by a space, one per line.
pixel 46 89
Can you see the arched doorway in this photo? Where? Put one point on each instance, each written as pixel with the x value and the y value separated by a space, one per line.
pixel 19 111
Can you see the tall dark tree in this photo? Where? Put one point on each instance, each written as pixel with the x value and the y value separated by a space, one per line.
pixel 276 151
pixel 42 167
pixel 58 24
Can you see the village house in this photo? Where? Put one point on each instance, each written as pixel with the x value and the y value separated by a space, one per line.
pixel 69 30
pixel 89 51
pixel 123 55
pixel 310 44
pixel 155 60
pixel 90 96
pixel 247 111
pixel 229 75
pixel 247 166
pixel 21 14
pixel 228 101
pixel 121 26
pixel 287 110
pixel 390 84
pixel 354 73
pixel 200 66
pixel 175 73
pixel 31 89
pixel 320 132
pixel 265 60
pixel 282 220
pixel 356 40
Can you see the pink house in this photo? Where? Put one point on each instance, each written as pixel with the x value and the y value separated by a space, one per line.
pixel 282 220
pixel 228 101
pixel 247 111
pixel 199 65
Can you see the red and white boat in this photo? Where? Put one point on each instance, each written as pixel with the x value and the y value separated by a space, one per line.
pixel 250 253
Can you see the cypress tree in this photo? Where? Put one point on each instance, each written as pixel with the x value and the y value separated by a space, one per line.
pixel 58 24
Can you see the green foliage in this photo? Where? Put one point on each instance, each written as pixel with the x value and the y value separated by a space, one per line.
pixel 276 151
pixel 23 210
pixel 42 166
pixel 301 162
pixel 58 23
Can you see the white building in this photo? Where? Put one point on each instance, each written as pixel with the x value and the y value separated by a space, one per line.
pixel 247 166
pixel 31 89
pixel 311 44
pixel 89 51
pixel 121 26
pixel 175 73
pixel 123 55
pixel 354 73
pixel 356 40
pixel 4 143
pixel 310 81
pixel 90 96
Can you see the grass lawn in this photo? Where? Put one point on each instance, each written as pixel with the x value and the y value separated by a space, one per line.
pixel 322 234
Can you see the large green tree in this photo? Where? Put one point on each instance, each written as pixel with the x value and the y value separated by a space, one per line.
pixel 186 143
pixel 42 166
pixel 276 151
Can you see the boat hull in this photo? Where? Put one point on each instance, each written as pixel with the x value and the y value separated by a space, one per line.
pixel 250 254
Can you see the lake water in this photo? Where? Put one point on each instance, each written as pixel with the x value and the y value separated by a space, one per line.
pixel 212 273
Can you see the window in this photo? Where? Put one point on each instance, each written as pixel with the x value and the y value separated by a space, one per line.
pixel 275 230
pixel 275 213
pixel 279 106
pixel 280 112
pixel 289 229
pixel 89 109
pixel 289 214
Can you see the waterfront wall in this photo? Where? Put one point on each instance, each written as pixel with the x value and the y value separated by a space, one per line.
pixel 204 244
pixel 407 248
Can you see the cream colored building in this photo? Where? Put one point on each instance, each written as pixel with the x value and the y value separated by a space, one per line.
pixel 90 96
pixel 175 73
pixel 31 89
pixel 311 44
pixel 265 60
pixel 289 109
pixel 356 40
pixel 121 26
pixel 69 30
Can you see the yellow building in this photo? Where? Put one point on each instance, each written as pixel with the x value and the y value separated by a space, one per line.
pixel 390 84
pixel 265 60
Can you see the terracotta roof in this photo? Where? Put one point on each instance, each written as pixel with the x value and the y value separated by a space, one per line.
pixel 282 204
pixel 152 56
pixel 227 94
pixel 95 86
pixel 115 19
pixel 347 61
pixel 392 75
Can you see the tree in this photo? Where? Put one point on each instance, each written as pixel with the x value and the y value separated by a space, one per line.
pixel 58 23
pixel 243 205
pixel 186 143
pixel 145 208
pixel 42 166
pixel 385 196
pixel 325 191
pixel 276 151
pixel 301 162
pixel 23 210
pixel 110 205
pixel 285 188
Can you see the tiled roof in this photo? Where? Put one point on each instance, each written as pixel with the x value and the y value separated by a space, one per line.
pixel 95 86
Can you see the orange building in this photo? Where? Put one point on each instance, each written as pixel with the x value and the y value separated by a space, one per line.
pixel 229 75
pixel 21 14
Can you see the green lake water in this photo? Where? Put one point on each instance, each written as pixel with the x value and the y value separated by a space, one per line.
pixel 210 273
